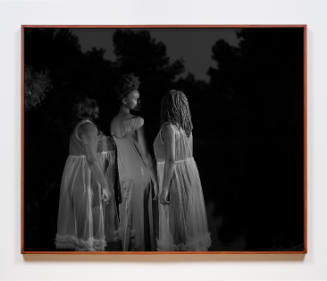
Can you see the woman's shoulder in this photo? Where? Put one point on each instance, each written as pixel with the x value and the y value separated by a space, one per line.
pixel 84 128
pixel 120 125
pixel 136 119
pixel 130 118
pixel 133 122
pixel 168 126
pixel 167 130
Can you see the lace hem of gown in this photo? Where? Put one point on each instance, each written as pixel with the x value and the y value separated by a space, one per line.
pixel 67 241
pixel 114 236
pixel 200 243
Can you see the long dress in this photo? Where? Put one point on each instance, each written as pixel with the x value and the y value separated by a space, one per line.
pixel 183 222
pixel 80 223
pixel 108 159
pixel 136 214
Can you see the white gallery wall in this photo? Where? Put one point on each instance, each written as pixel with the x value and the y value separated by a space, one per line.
pixel 14 266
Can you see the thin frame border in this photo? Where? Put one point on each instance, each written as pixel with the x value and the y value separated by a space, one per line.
pixel 305 187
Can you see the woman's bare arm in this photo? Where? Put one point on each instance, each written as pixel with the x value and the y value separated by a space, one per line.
pixel 169 142
pixel 89 136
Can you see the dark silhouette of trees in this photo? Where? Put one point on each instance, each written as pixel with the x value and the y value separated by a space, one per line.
pixel 36 86
pixel 137 52
pixel 56 53
pixel 260 87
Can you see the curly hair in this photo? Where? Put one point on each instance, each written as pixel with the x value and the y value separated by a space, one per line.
pixel 126 84
pixel 85 108
pixel 175 109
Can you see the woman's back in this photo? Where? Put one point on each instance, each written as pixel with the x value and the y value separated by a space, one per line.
pixel 183 222
pixel 130 161
pixel 122 127
pixel 80 216
pixel 183 144
pixel 136 219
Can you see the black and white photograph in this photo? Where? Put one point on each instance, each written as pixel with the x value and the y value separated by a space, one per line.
pixel 164 139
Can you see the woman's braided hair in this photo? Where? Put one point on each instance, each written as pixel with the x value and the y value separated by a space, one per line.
pixel 126 84
pixel 175 109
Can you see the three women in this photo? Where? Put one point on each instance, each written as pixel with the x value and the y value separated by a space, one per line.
pixel 182 222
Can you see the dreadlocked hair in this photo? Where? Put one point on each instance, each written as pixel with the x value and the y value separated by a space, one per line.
pixel 175 109
pixel 126 84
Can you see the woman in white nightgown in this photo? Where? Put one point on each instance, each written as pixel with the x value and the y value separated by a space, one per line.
pixel 84 189
pixel 136 173
pixel 182 215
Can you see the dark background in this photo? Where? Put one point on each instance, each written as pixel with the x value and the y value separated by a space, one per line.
pixel 247 115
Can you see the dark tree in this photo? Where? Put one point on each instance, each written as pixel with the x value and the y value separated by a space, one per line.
pixel 52 58
pixel 260 87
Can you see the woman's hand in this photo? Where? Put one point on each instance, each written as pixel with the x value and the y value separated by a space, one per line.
pixel 155 185
pixel 155 190
pixel 164 197
pixel 106 195
pixel 89 136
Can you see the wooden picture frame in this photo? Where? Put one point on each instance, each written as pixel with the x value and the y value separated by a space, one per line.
pixel 24 148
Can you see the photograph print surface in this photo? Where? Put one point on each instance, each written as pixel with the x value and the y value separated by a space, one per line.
pixel 163 139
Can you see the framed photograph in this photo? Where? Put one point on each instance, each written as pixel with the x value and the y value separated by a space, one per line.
pixel 163 139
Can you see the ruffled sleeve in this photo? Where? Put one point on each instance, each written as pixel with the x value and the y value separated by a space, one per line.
pixel 133 124
pixel 166 132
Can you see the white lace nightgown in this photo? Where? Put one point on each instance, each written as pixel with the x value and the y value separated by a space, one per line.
pixel 183 222
pixel 80 223
pixel 136 213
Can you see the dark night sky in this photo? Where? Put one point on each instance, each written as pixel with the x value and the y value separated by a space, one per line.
pixel 194 46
